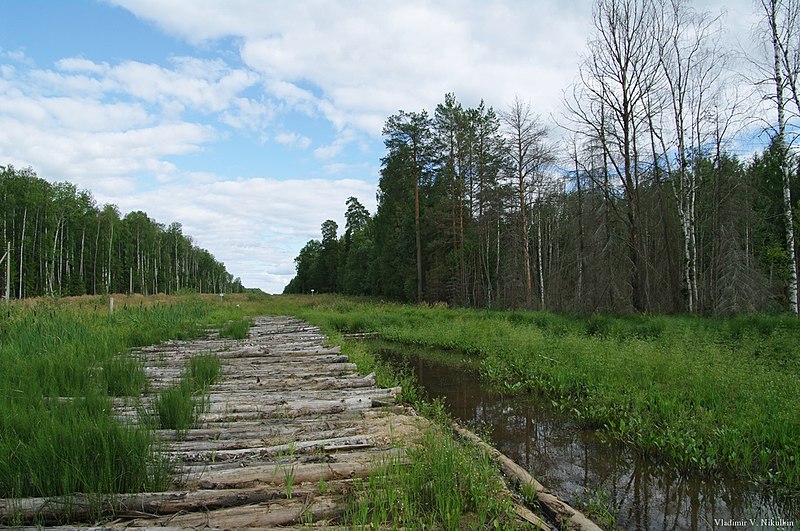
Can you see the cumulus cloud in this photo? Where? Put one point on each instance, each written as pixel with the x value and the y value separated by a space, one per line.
pixel 368 59
pixel 97 123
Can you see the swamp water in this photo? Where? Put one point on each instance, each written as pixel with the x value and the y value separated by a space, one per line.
pixel 581 468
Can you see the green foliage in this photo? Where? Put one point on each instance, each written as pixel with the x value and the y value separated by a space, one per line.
pixel 449 226
pixel 203 371
pixel 446 484
pixel 175 407
pixel 179 406
pixel 123 376
pixel 96 250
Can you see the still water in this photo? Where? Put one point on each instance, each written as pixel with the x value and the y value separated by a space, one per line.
pixel 578 466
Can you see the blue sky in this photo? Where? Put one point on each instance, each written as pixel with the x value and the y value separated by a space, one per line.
pixel 250 122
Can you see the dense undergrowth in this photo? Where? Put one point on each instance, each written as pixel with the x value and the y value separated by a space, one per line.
pixel 705 394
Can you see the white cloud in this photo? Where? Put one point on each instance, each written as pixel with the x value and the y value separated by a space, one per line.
pixel 293 139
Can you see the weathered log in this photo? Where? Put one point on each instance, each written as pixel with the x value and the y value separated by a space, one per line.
pixel 271 397
pixel 300 408
pixel 243 380
pixel 337 444
pixel 267 429
pixel 299 510
pixel 357 466
pixel 83 507
pixel 556 508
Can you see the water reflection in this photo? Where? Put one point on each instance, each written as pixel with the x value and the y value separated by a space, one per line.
pixel 574 463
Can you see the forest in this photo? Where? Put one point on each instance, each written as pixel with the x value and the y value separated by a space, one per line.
pixel 637 204
pixel 62 243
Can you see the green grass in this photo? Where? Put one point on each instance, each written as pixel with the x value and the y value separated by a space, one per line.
pixel 179 406
pixel 123 376
pixel 704 394
pixel 60 362
pixel 175 407
pixel 203 371
pixel 236 329
pixel 52 447
pixel 444 484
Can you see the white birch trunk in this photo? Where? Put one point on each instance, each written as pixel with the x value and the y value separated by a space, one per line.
pixel 772 9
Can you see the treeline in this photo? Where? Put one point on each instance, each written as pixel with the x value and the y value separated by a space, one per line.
pixel 559 241
pixel 638 207
pixel 62 243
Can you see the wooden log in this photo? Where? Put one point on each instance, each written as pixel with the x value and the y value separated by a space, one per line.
pixel 298 510
pixel 300 408
pixel 264 429
pixel 556 508
pixel 269 396
pixel 243 380
pixel 84 508
pixel 337 444
pixel 358 465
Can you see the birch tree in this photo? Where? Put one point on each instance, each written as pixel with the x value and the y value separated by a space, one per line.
pixel 781 19
pixel 691 67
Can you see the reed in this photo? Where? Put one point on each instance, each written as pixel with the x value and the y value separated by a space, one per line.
pixel 203 371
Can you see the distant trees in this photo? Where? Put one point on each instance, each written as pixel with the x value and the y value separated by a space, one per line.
pixel 64 244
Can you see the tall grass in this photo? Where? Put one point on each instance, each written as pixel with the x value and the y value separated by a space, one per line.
pixel 203 371
pixel 179 406
pixel 238 329
pixel 59 364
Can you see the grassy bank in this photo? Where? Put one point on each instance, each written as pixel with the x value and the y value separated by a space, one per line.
pixel 444 482
pixel 705 394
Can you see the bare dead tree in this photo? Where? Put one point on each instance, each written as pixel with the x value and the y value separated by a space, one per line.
pixel 617 77
pixel 528 155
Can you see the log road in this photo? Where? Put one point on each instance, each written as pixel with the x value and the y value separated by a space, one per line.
pixel 287 417
pixel 286 429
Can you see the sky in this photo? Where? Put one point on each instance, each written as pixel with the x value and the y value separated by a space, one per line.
pixel 251 122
